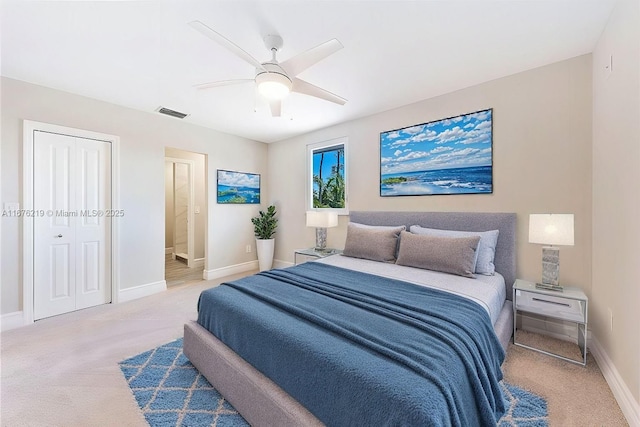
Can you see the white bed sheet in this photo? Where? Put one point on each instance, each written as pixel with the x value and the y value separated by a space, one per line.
pixel 488 291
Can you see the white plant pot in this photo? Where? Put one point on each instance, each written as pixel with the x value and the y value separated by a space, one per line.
pixel 264 248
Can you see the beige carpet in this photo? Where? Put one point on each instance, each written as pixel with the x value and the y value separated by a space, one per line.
pixel 63 371
pixel 576 395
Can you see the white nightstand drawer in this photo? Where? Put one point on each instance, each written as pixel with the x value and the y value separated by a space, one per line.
pixel 549 305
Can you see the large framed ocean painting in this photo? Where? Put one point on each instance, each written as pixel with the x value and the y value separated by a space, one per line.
pixel 238 187
pixel 447 156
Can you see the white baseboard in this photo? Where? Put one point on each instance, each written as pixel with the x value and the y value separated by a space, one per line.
pixel 229 270
pixel 16 319
pixel 629 406
pixel 168 251
pixel 11 320
pixel 136 292
pixel 278 263
pixel 198 262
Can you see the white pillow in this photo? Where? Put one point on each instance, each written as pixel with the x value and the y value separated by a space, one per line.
pixel 485 253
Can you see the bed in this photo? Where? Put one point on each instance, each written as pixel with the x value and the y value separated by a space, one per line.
pixel 291 362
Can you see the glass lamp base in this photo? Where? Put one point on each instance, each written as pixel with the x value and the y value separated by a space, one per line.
pixel 321 239
pixel 550 265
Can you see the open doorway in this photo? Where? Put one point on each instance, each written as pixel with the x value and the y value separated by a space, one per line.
pixel 185 216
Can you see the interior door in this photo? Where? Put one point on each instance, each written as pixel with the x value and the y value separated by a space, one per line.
pixel 181 201
pixel 72 223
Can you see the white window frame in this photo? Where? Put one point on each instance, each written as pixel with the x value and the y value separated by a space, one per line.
pixel 309 193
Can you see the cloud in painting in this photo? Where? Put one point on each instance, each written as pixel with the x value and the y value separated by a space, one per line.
pixel 238 179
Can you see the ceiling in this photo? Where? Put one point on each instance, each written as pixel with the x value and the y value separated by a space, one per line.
pixel 143 55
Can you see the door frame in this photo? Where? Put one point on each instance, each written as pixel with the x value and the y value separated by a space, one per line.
pixel 190 208
pixel 28 129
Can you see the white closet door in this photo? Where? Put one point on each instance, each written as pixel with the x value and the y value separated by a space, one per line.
pixel 54 235
pixel 93 230
pixel 71 229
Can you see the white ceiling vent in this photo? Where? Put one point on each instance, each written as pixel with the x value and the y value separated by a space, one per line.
pixel 171 113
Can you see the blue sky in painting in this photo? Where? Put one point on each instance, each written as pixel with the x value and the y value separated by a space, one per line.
pixel 238 179
pixel 458 142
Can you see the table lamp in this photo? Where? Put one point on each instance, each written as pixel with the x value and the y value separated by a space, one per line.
pixel 551 229
pixel 321 220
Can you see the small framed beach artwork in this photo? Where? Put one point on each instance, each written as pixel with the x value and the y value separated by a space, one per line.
pixel 238 187
pixel 447 156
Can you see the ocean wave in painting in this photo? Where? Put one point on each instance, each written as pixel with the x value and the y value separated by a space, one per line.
pixel 470 180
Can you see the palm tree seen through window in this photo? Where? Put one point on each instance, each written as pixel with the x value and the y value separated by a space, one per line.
pixel 329 177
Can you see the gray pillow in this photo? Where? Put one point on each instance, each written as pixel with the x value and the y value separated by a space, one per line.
pixel 485 253
pixel 453 255
pixel 371 242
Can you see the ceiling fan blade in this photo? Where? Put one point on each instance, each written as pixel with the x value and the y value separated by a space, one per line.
pixel 222 40
pixel 305 88
pixel 276 108
pixel 222 83
pixel 299 63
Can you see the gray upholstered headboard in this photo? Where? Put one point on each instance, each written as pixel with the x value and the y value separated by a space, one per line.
pixel 505 259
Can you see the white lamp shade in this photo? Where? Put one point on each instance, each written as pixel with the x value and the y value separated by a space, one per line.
pixel 322 219
pixel 551 229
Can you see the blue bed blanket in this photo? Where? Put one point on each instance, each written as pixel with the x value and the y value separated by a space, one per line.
pixel 359 349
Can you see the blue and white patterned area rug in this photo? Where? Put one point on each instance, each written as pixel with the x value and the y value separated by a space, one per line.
pixel 171 392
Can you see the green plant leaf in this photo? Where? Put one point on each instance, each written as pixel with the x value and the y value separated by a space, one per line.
pixel 265 224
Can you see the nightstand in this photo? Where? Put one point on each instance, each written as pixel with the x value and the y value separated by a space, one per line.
pixel 571 305
pixel 310 254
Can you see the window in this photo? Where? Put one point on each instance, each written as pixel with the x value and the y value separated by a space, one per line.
pixel 327 165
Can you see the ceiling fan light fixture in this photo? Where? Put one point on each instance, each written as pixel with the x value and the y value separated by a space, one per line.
pixel 274 86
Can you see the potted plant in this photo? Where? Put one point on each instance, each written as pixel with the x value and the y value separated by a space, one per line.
pixel 264 227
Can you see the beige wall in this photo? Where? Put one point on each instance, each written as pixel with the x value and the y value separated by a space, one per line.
pixel 143 138
pixel 200 198
pixel 542 162
pixel 616 194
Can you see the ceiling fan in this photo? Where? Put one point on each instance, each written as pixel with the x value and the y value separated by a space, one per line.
pixel 276 80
